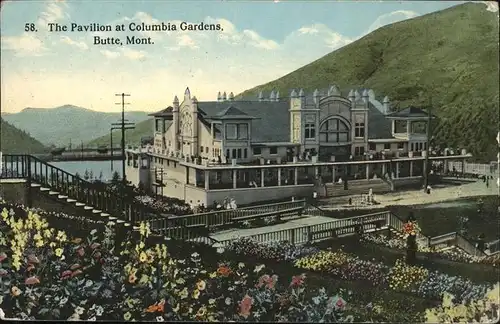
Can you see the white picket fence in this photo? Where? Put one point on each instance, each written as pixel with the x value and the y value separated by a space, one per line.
pixel 478 168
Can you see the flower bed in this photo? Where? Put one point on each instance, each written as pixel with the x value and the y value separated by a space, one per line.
pixel 47 275
pixel 456 255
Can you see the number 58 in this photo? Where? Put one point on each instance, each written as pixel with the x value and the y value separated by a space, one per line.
pixel 29 27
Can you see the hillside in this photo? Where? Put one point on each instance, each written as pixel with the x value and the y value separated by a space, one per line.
pixel 450 56
pixel 58 126
pixel 132 136
pixel 15 141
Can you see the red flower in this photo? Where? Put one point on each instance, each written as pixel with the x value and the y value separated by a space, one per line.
pixel 246 306
pixel 66 274
pixel 297 281
pixel 340 303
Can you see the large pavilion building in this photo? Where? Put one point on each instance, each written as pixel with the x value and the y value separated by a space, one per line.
pixel 245 149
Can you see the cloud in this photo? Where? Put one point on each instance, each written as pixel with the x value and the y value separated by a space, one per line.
pixel 69 41
pixel 126 53
pixel 24 45
pixel 55 11
pixel 390 18
pixel 491 6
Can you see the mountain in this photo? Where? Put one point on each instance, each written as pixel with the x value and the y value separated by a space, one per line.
pixel 15 141
pixel 451 56
pixel 58 126
pixel 132 136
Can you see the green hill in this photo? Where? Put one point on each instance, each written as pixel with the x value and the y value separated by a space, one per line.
pixel 451 56
pixel 16 141
pixel 132 136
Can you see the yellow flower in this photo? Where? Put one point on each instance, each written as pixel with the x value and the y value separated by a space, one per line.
pixel 201 285
pixel 184 293
pixel 180 281
pixel 211 301
pixel 52 244
pixel 127 316
pixel 201 312
pixel 59 252
pixel 144 279
pixel 176 308
pixel 15 291
pixel 196 294
pixel 143 257
pixel 213 274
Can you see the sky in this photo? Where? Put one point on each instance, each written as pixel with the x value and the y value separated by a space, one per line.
pixel 260 41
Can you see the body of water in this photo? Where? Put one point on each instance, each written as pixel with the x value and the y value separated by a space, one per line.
pixel 96 167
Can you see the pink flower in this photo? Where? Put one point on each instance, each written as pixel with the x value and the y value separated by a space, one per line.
pixel 340 303
pixel 95 246
pixel 246 306
pixel 3 256
pixel 3 272
pixel 33 259
pixel 297 281
pixel 32 281
pixel 66 274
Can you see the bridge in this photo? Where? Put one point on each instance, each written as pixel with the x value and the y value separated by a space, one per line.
pixel 85 154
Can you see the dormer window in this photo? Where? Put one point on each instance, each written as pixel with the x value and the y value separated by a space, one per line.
pixel 359 130
pixel 236 131
pixel 310 131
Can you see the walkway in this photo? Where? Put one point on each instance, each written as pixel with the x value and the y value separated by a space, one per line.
pixel 296 223
pixel 419 197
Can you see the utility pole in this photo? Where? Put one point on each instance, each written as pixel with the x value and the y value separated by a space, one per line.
pixel 426 160
pixel 111 137
pixel 123 95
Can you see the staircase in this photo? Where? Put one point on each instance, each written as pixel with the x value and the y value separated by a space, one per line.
pixel 94 201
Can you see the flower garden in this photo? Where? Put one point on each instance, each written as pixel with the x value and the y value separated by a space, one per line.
pixel 50 274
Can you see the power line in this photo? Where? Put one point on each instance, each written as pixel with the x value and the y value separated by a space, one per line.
pixel 123 103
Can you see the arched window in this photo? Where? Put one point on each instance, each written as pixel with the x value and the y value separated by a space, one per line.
pixel 334 130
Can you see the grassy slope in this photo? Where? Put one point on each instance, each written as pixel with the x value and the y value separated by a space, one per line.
pixel 451 56
pixel 133 136
pixel 13 140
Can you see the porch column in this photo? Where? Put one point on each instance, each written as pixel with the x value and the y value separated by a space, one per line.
pixel 279 176
pixel 463 167
pixel 367 171
pixel 262 177
pixel 411 168
pixel 296 176
pixel 235 174
pixel 383 169
pixel 187 175
pixel 207 179
pixel 316 170
pixel 445 163
pixel 333 173
pixel 397 169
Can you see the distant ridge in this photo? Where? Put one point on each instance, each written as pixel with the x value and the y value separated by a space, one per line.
pixel 68 123
pixel 450 55
pixel 15 141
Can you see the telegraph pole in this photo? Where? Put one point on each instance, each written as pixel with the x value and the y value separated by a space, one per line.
pixel 426 160
pixel 123 103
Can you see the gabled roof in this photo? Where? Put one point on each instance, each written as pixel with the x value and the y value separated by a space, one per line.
pixel 410 112
pixel 271 118
pixel 167 112
pixel 231 112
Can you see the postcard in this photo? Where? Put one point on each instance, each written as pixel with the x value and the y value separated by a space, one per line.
pixel 275 161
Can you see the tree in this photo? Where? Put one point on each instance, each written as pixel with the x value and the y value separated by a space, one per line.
pixel 86 175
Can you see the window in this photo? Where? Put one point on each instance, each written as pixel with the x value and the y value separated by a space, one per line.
pixel 359 130
pixel 359 150
pixel 372 146
pixel 257 151
pixel 201 149
pixel 234 154
pixel 239 153
pixel 158 124
pixel 425 146
pixel 310 131
pixel 245 153
pixel 273 150
pixel 231 131
pixel 387 146
pixel 228 156
pixel 412 147
pixel 401 145
pixel 334 131
pixel 236 131
pixel 243 131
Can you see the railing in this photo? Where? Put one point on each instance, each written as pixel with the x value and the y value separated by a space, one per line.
pixel 397 223
pixel 222 217
pixel 65 183
pixel 300 235
pixel 494 247
pixel 455 239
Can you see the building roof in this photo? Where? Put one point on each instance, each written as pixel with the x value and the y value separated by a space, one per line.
pixel 167 112
pixel 231 112
pixel 410 112
pixel 272 123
